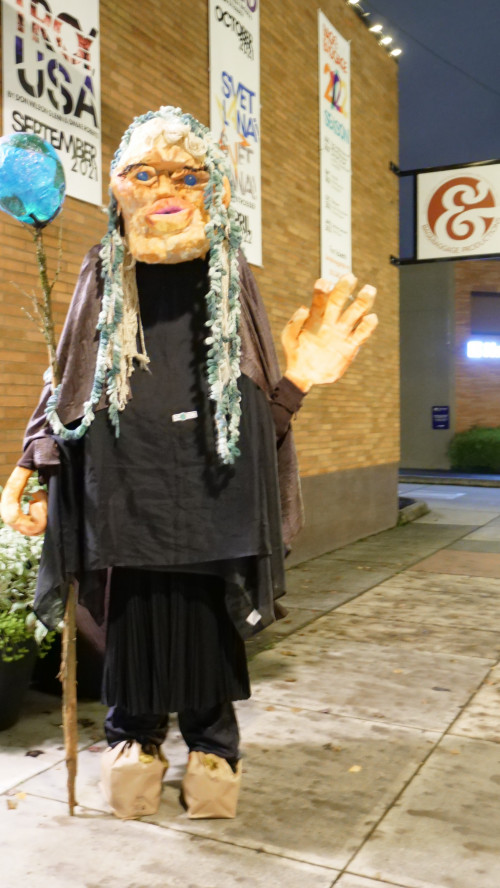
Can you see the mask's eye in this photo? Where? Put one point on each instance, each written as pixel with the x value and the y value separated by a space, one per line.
pixel 190 179
pixel 143 176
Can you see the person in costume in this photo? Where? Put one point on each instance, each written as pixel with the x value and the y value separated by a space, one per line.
pixel 168 442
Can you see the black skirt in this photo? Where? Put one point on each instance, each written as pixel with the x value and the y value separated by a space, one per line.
pixel 171 645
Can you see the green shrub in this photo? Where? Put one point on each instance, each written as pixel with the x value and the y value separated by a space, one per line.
pixel 477 450
pixel 19 560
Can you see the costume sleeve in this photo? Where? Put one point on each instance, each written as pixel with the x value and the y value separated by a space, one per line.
pixel 40 450
pixel 260 363
pixel 286 401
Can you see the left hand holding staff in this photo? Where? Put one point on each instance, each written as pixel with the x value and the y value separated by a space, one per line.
pixel 35 521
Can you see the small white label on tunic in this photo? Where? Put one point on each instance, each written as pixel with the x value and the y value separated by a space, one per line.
pixel 181 417
pixel 254 618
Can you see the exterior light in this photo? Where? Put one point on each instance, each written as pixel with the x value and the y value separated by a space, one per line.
pixel 376 29
pixel 386 40
pixel 479 349
pixel 396 52
pixel 353 2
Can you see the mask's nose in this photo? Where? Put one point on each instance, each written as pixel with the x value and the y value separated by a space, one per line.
pixel 165 185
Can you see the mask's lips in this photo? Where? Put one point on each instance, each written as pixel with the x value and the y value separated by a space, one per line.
pixel 167 206
pixel 166 211
pixel 170 213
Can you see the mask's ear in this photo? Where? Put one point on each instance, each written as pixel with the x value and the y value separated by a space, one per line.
pixel 121 225
pixel 226 197
pixel 112 185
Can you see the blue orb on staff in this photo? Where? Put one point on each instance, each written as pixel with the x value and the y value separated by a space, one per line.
pixel 32 185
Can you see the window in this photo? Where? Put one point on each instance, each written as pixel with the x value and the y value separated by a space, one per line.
pixel 485 314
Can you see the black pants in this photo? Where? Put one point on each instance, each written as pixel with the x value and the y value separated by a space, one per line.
pixel 209 730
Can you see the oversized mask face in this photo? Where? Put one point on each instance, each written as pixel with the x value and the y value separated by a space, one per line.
pixel 159 185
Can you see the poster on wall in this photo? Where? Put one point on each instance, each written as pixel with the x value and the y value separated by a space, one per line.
pixel 235 108
pixel 335 150
pixel 458 212
pixel 51 84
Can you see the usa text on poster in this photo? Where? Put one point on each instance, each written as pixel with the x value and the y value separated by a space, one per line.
pixel 51 84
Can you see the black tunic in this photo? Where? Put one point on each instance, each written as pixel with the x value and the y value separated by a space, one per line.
pixel 158 496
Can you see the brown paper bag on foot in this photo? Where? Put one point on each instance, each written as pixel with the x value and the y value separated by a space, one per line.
pixel 131 779
pixel 210 787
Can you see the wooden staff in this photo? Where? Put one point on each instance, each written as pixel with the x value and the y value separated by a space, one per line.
pixel 67 674
pixel 34 523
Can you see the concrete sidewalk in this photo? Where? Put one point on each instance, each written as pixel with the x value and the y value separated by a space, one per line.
pixel 446 476
pixel 371 742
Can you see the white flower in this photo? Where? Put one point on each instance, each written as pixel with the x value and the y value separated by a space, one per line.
pixel 173 131
pixel 195 145
pixel 169 129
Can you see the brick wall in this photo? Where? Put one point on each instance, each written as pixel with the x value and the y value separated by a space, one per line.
pixel 477 384
pixel 156 53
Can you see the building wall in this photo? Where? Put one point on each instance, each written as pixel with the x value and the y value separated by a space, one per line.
pixel 477 382
pixel 154 53
pixel 435 328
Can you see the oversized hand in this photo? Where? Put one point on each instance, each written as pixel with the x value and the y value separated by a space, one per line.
pixel 35 521
pixel 320 342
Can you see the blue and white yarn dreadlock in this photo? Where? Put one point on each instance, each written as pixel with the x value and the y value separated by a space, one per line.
pixel 222 300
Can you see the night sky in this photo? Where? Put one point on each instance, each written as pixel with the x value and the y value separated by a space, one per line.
pixel 449 84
